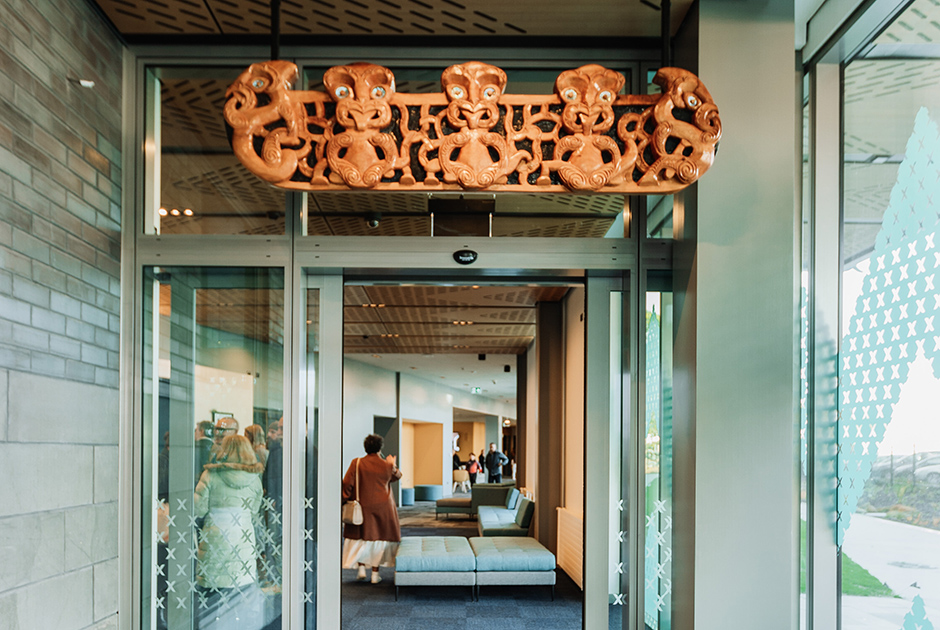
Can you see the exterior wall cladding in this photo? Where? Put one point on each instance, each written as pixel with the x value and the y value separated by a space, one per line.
pixel 60 213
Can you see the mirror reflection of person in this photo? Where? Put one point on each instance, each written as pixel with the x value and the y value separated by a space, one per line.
pixel 375 542
pixel 228 495
pixel 273 481
pixel 255 435
pixel 202 438
pixel 494 464
pixel 224 427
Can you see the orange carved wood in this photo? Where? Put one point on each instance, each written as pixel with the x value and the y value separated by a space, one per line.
pixel 362 134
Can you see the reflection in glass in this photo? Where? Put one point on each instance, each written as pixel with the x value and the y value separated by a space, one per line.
pixel 516 215
pixel 311 352
pixel 658 477
pixel 889 445
pixel 213 484
pixel 195 183
pixel 659 210
pixel 618 528
pixel 806 244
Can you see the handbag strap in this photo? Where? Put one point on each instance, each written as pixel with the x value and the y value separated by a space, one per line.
pixel 357 480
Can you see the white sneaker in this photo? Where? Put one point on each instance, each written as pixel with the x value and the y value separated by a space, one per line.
pixel 362 573
pixel 375 577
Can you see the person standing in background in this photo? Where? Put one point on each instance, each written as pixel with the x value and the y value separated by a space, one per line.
pixel 255 435
pixel 494 464
pixel 473 467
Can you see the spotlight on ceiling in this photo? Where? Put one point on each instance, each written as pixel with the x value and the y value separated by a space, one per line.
pixel 507 369
pixel 481 357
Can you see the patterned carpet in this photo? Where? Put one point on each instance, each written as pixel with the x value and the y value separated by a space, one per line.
pixel 368 606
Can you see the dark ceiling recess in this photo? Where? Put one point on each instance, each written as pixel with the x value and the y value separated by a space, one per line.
pixel 461 216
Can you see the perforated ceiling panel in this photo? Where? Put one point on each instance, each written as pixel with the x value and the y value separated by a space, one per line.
pixel 919 24
pixel 442 319
pixel 612 18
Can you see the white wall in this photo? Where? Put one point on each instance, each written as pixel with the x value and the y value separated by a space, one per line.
pixel 573 481
pixel 367 392
pixel 370 391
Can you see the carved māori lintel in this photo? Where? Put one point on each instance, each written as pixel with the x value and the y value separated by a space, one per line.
pixel 362 134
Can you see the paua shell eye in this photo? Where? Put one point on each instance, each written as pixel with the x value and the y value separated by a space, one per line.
pixel 457 91
pixel 693 102
pixel 257 84
pixel 342 92
pixel 489 92
pixel 570 94
pixel 606 96
pixel 378 92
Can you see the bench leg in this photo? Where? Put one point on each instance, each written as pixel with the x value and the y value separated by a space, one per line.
pixel 553 592
pixel 396 592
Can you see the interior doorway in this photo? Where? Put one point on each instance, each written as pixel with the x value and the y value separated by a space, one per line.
pixel 441 371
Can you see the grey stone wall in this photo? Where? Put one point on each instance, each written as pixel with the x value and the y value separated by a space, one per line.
pixel 60 186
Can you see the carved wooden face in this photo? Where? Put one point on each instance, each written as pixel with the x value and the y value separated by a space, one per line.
pixel 588 93
pixel 361 92
pixel 686 89
pixel 267 76
pixel 473 88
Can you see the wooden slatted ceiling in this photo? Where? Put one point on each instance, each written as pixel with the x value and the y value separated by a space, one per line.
pixel 609 18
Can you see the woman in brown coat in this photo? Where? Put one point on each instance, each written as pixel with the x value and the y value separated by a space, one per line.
pixel 375 542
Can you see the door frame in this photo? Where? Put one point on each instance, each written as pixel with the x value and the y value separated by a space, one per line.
pixel 609 269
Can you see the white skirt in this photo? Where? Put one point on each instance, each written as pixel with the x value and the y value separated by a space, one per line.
pixel 372 553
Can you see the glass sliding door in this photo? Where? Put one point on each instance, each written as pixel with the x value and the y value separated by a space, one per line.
pixel 212 431
pixel 657 463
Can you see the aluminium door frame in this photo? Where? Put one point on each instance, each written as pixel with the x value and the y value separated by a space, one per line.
pixel 608 267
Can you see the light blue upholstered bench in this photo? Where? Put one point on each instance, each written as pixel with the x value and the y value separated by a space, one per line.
pixel 434 561
pixel 455 561
pixel 504 521
pixel 512 560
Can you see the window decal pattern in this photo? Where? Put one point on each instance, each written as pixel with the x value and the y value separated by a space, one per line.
pixel 895 316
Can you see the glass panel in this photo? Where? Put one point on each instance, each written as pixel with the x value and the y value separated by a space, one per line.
pixel 889 442
pixel 410 214
pixel 618 574
pixel 806 243
pixel 194 182
pixel 311 354
pixel 658 478
pixel 213 391
pixel 659 210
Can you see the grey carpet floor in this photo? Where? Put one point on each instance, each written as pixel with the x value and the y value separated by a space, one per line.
pixel 368 606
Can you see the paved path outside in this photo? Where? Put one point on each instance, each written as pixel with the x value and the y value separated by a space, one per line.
pixel 906 558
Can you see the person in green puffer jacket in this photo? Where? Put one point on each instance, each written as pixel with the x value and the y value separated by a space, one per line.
pixel 228 495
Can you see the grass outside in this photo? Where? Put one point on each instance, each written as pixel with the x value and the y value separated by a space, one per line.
pixel 855 579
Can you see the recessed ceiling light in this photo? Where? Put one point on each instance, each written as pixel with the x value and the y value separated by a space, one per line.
pixel 175 212
pixel 188 212
pixel 162 212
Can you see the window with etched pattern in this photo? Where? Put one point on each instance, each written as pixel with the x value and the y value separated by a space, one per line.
pixel 213 456
pixel 888 494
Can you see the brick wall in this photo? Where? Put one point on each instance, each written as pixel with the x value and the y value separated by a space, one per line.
pixel 60 185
